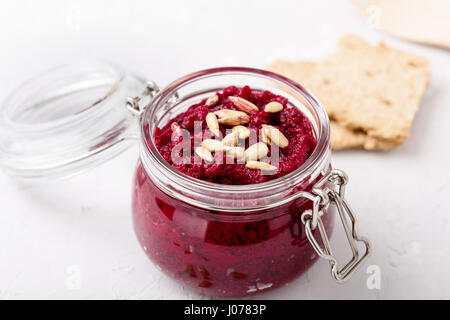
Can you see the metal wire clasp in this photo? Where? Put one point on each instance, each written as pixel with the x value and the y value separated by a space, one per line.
pixel 132 103
pixel 312 219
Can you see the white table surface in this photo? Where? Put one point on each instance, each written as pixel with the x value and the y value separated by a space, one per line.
pixel 54 234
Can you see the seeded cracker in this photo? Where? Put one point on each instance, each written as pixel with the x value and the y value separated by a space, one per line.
pixel 344 138
pixel 371 93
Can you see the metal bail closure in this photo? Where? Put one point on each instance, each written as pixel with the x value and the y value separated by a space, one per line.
pixel 150 91
pixel 312 219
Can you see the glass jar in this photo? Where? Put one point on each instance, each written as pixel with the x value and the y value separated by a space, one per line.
pixel 222 240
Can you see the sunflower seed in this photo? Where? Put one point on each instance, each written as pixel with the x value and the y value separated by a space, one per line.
pixel 232 117
pixel 204 153
pixel 257 151
pixel 276 136
pixel 231 139
pixel 235 152
pixel 273 107
pixel 213 145
pixel 244 132
pixel 243 105
pixel 211 101
pixel 258 165
pixel 265 138
pixel 213 124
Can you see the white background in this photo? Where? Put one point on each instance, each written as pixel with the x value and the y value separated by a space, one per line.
pixel 51 232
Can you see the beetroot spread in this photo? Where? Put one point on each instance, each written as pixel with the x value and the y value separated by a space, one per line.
pixel 291 122
pixel 212 251
pixel 218 256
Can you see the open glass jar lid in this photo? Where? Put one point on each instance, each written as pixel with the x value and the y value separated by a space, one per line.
pixel 67 119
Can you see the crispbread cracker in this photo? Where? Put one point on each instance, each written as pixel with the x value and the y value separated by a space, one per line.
pixel 344 138
pixel 373 91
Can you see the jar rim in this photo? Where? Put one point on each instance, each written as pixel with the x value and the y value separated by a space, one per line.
pixel 316 160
